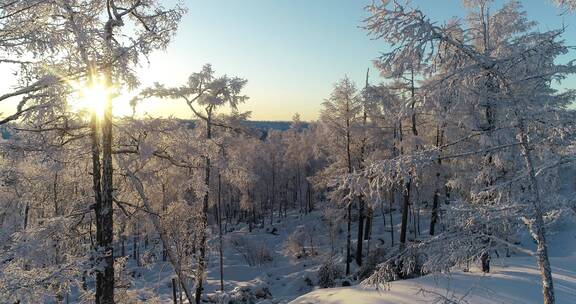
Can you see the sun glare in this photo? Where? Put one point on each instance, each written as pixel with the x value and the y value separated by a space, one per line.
pixel 90 97
pixel 94 98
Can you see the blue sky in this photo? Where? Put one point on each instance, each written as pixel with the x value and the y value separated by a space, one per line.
pixel 291 52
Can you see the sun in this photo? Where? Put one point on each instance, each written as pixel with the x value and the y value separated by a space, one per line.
pixel 90 97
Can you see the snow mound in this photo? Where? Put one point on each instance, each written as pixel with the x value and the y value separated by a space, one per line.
pixel 512 280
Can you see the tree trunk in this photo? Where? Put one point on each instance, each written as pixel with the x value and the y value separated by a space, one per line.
pixel 360 241
pixel 349 163
pixel 392 197
pixel 414 228
pixel 436 200
pixel 102 192
pixel 299 189
pixel 537 228
pixel 219 217
pixel 408 182
pixel 368 230
pixel 348 238
pixel 405 209
pixel 104 215
pixel 136 244
pixel 310 202
pixel 273 197
pixel 202 257
pixel 104 236
pixel 26 211
pixel 175 300
pixel 434 216
pixel 368 227
pixel 122 244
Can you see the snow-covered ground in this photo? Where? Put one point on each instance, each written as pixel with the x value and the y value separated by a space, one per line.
pixel 516 280
pixel 512 280
pixel 286 278
pixel 289 280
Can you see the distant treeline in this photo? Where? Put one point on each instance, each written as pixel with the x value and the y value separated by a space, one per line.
pixel 263 125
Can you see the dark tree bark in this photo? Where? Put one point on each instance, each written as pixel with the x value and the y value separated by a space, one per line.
pixel 96 187
pixel 348 239
pixel 485 260
pixel 349 217
pixel 360 237
pixel 273 196
pixel 219 217
pixel 174 291
pixel 105 214
pixel 408 181
pixel 104 235
pixel 392 197
pixel 310 200
pixel 361 203
pixel 203 244
pixel 26 211
pixel 405 209
pixel 434 216
pixel 368 228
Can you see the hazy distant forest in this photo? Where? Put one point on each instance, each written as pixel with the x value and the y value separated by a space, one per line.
pixel 457 163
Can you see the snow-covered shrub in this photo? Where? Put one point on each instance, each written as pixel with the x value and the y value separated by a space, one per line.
pixel 403 264
pixel 296 244
pixel 329 273
pixel 254 253
pixel 241 295
pixel 369 265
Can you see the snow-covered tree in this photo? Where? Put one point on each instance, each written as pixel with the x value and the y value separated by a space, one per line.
pixel 205 90
pixel 341 122
pixel 506 60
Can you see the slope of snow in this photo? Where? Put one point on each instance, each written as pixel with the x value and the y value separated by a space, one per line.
pixel 285 277
pixel 517 282
pixel 512 280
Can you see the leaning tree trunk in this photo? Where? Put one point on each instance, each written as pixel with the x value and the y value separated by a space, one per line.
pixel 537 228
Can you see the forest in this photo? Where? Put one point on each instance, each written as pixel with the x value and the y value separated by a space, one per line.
pixel 450 178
